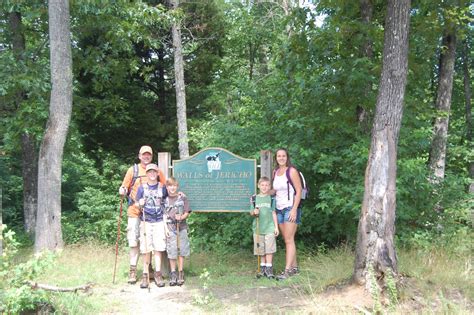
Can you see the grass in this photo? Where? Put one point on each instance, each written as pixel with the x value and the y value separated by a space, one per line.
pixel 436 281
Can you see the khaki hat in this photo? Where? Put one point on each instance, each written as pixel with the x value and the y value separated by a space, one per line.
pixel 145 149
pixel 152 166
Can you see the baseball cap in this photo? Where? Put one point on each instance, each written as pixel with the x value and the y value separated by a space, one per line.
pixel 145 149
pixel 152 166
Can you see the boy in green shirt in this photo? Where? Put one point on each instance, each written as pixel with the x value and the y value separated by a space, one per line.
pixel 265 233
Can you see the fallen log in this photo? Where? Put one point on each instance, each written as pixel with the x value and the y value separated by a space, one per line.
pixel 47 287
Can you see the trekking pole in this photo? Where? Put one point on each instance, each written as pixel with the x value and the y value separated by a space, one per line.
pixel 146 252
pixel 118 237
pixel 180 212
pixel 257 230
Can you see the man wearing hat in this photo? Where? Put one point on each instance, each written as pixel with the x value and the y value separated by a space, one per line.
pixel 136 177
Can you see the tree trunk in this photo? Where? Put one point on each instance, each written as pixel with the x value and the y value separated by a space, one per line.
pixel 180 87
pixel 29 172
pixel 29 149
pixel 375 249
pixel 366 10
pixel 467 99
pixel 437 160
pixel 161 80
pixel 48 221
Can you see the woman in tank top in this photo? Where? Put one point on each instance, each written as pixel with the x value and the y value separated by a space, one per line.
pixel 288 210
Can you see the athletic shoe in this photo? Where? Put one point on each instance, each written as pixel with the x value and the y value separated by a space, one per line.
pixel 262 271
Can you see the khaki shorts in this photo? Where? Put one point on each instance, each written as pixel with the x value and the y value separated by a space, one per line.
pixel 133 231
pixel 266 244
pixel 172 246
pixel 155 237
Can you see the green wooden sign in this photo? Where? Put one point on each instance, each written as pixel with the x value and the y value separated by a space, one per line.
pixel 216 180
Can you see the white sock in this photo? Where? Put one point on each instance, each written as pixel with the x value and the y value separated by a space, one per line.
pixel 269 264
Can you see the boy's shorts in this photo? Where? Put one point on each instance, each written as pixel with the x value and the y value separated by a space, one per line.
pixel 266 244
pixel 283 215
pixel 171 244
pixel 155 237
pixel 133 231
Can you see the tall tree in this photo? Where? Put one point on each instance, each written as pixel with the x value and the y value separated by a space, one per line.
pixel 467 100
pixel 179 85
pixel 29 148
pixel 48 223
pixel 437 161
pixel 366 10
pixel 375 249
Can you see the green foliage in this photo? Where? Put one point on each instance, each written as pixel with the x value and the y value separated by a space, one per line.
pixel 91 203
pixel 16 294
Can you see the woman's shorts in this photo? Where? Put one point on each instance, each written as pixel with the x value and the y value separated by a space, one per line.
pixel 133 231
pixel 172 244
pixel 155 237
pixel 282 215
pixel 264 244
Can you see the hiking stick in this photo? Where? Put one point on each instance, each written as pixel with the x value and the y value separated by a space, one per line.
pixel 146 252
pixel 178 251
pixel 257 230
pixel 118 237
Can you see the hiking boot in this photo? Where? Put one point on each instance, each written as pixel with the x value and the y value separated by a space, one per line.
pixel 159 279
pixel 284 275
pixel 181 278
pixel 173 279
pixel 262 271
pixel 145 280
pixel 269 273
pixel 294 271
pixel 132 275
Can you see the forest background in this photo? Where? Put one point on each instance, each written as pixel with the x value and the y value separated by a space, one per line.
pixel 259 75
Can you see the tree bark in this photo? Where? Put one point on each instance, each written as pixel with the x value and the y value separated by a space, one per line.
pixel 366 11
pixel 467 99
pixel 29 172
pixel 437 160
pixel 180 87
pixel 48 223
pixel 375 249
pixel 29 148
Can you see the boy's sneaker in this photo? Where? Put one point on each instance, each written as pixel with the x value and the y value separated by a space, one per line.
pixel 269 273
pixel 159 279
pixel 262 272
pixel 144 283
pixel 284 275
pixel 294 271
pixel 173 279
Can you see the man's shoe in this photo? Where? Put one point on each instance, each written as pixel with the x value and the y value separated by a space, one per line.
pixel 181 278
pixel 132 275
pixel 145 280
pixel 269 273
pixel 173 279
pixel 262 271
pixel 159 279
pixel 294 271
pixel 284 275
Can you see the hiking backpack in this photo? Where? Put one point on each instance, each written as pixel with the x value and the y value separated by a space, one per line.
pixel 304 188
pixel 134 179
